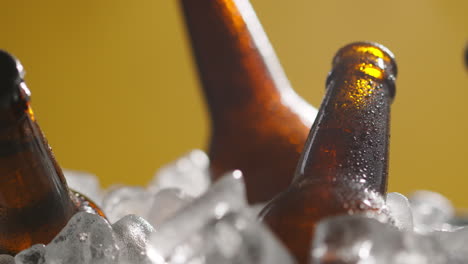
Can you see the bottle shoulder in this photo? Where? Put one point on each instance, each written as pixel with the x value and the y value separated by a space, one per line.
pixel 311 202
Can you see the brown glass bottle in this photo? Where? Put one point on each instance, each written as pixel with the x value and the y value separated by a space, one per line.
pixel 343 169
pixel 259 124
pixel 35 202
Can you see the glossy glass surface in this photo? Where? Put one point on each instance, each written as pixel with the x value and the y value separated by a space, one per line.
pixel 343 169
pixel 259 124
pixel 35 202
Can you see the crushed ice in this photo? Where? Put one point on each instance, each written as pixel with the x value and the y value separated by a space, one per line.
pixel 178 218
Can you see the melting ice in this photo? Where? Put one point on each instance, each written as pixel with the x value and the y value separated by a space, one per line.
pixel 181 218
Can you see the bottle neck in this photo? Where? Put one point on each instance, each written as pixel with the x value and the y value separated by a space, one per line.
pixel 237 65
pixel 28 168
pixel 34 198
pixel 348 143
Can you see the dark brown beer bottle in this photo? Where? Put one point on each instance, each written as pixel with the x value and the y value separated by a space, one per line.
pixel 259 124
pixel 343 169
pixel 35 202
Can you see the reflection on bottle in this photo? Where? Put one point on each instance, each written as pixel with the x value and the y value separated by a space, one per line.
pixel 259 124
pixel 35 202
pixel 343 168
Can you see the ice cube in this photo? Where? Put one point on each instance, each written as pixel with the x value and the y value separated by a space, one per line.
pixel 358 239
pixel 455 243
pixel 132 233
pixel 188 173
pixel 87 238
pixel 165 203
pixel 237 237
pixel 257 243
pixel 6 259
pixel 460 218
pixel 400 211
pixel 431 211
pixel 32 255
pixel 84 183
pixel 227 194
pixel 122 201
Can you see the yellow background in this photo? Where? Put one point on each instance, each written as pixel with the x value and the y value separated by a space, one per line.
pixel 115 90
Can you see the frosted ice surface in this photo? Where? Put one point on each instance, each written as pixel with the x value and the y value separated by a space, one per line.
pixel 188 173
pixel 226 195
pixel 400 210
pixel 6 259
pixel 431 211
pixel 123 201
pixel 460 218
pixel 236 237
pixel 349 240
pixel 33 255
pixel 87 238
pixel 85 183
pixel 165 203
pixel 132 233
pixel 357 239
pixel 455 243
pixel 258 244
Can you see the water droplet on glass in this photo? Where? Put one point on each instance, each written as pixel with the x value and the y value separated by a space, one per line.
pixel 83 236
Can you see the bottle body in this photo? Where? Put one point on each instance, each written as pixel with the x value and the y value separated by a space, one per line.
pixel 294 214
pixel 35 202
pixel 259 124
pixel 343 169
pixel 265 156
